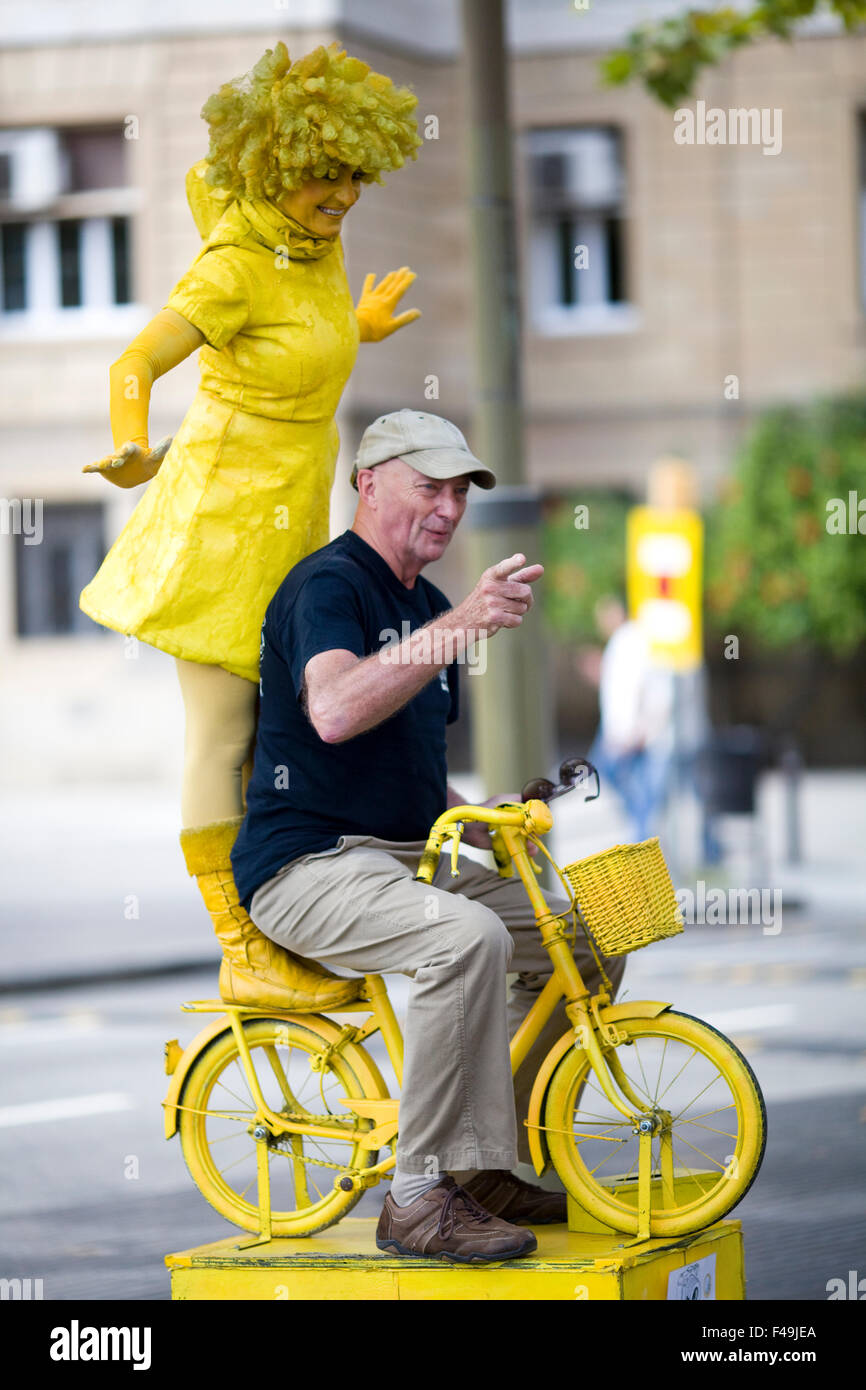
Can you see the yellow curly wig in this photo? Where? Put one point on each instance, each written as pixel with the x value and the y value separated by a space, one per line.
pixel 285 122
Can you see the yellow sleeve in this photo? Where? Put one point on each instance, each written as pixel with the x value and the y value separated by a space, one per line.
pixel 167 340
pixel 213 295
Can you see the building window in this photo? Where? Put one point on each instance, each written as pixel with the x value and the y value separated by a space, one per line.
pixel 576 189
pixel 50 574
pixel 65 208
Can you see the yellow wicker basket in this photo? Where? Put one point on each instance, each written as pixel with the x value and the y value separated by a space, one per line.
pixel 626 897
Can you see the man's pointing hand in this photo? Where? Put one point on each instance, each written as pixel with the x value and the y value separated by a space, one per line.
pixel 502 596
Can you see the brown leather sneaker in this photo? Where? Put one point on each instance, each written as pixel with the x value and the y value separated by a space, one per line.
pixel 514 1200
pixel 446 1224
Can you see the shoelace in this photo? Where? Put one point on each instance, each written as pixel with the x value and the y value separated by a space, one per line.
pixel 448 1217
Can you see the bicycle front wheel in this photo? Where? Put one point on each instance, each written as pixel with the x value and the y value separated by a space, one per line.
pixel 217 1117
pixel 711 1126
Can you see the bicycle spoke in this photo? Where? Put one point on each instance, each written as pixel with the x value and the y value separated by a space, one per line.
pixel 703 1154
pixel 710 1128
pixel 643 1073
pixel 610 1154
pixel 627 1176
pixel 249 1185
pixel 583 1138
pixel 718 1077
pixel 718 1111
pixel 238 1098
pixel 686 1063
pixel 681 1163
pixel 579 1110
pixel 244 1158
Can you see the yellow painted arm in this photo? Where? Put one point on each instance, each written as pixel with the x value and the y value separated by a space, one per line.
pixel 166 341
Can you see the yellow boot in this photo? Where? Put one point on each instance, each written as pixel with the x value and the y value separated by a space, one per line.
pixel 255 970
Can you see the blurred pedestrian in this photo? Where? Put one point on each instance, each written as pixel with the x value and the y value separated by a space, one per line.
pixel 633 748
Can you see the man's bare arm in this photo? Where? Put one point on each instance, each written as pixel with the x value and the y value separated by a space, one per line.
pixel 347 695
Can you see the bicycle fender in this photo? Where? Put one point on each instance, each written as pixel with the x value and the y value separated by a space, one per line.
pixel 178 1076
pixel 537 1141
pixel 361 1062
pixel 642 1008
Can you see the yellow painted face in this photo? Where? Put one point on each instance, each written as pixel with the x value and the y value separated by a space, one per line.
pixel 321 204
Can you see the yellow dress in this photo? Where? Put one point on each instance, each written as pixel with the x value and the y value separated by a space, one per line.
pixel 243 493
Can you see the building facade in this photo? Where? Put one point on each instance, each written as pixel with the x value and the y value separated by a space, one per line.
pixel 671 290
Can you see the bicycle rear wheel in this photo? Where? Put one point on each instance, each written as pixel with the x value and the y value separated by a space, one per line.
pixel 217 1116
pixel 711 1116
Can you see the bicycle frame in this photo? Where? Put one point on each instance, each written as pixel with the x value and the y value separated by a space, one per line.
pixel 514 824
pixel 589 1049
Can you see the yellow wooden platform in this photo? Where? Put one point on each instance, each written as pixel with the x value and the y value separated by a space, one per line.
pixel 344 1263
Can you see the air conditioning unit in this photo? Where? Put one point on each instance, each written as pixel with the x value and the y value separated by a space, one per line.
pixel 32 169
pixel 575 168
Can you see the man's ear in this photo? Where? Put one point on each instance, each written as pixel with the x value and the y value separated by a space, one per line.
pixel 367 485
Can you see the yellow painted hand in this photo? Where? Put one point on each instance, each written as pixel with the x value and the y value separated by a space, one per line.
pixel 374 309
pixel 131 464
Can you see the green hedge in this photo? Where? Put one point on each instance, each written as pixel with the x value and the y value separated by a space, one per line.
pixel 582 565
pixel 774 570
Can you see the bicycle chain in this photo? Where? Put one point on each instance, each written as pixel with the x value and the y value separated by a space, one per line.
pixel 281 1142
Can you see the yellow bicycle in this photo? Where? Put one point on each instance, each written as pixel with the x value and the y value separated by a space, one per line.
pixel 653 1120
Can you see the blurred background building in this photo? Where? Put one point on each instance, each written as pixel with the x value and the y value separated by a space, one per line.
pixel 703 265
pixel 720 282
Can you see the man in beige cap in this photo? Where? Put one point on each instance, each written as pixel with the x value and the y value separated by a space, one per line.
pixel 326 858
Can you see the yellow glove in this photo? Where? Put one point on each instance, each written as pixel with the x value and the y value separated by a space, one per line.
pixel 131 464
pixel 167 340
pixel 375 307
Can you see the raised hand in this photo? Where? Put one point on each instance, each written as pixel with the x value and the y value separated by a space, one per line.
pixel 501 598
pixel 131 464
pixel 374 310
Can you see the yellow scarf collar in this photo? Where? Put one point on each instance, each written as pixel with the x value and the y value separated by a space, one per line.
pixel 280 232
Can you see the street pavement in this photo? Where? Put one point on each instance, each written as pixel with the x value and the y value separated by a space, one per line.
pixel 93 1196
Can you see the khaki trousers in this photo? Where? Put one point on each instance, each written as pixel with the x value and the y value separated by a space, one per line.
pixel 358 906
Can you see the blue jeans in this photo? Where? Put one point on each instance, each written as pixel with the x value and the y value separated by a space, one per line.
pixel 640 778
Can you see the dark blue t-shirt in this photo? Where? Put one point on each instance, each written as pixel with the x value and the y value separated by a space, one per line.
pixel 389 782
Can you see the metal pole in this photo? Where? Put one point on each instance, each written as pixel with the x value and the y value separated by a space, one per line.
pixel 512 715
pixel 792 767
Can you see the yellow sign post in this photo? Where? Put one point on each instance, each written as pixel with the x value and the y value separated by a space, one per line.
pixel 664 550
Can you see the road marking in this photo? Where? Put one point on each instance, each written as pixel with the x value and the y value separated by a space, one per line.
pixel 33 1031
pixel 69 1108
pixel 757 1016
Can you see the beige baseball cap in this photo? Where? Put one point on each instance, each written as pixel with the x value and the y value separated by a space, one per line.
pixel 427 442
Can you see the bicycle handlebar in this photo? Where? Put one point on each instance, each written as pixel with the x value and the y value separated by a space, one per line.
pixel 531 816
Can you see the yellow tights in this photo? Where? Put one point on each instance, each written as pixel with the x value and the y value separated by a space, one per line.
pixel 220 731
